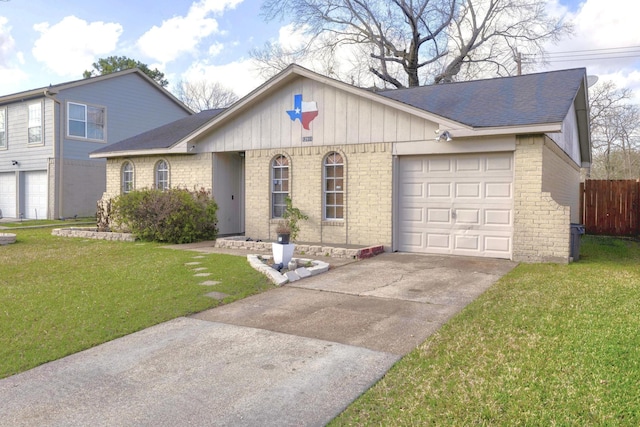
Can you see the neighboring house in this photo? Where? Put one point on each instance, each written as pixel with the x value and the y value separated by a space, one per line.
pixel 46 136
pixel 486 168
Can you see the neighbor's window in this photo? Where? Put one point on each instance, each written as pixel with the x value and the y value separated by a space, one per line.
pixel 127 177
pixel 333 186
pixel 3 128
pixel 35 123
pixel 162 175
pixel 279 185
pixel 85 121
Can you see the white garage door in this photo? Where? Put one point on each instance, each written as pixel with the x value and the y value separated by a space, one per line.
pixel 8 194
pixel 456 204
pixel 35 203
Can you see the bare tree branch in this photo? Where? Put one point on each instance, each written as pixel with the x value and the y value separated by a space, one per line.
pixel 204 95
pixel 415 41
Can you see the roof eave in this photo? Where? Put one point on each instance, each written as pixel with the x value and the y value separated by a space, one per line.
pixel 504 130
pixel 175 149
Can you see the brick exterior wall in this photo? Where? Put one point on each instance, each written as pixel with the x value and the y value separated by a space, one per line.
pixel 368 187
pixel 185 171
pixel 544 184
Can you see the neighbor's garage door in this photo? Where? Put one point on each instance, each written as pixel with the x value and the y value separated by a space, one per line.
pixel 8 195
pixel 35 186
pixel 456 204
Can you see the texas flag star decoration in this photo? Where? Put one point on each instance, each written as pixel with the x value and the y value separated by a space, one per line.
pixel 305 111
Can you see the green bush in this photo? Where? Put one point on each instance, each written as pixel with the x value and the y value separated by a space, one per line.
pixel 173 216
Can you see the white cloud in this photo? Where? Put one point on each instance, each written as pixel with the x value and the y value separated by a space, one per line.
pixel 215 49
pixel 11 73
pixel 7 42
pixel 238 76
pixel 182 34
pixel 72 45
pixel 599 27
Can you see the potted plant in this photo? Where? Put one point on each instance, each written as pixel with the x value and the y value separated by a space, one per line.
pixel 286 231
pixel 283 232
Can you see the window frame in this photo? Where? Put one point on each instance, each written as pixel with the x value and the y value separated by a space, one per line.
pixel 127 173
pixel 330 189
pixel 280 184
pixel 166 171
pixel 31 123
pixel 3 128
pixel 86 122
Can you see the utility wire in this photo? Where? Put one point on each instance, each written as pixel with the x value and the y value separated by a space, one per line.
pixel 603 54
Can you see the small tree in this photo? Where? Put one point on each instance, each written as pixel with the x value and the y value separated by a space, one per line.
pixel 119 63
pixel 292 216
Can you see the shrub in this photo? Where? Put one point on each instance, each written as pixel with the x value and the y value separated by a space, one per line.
pixel 173 216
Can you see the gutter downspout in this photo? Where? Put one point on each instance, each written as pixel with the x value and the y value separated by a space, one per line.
pixel 58 144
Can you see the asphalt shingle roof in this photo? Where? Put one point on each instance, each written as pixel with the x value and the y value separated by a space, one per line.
pixel 164 136
pixel 508 101
pixel 530 99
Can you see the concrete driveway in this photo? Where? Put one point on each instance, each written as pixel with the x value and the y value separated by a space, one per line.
pixel 296 355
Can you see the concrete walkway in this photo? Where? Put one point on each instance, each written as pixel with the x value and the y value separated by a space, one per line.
pixel 296 355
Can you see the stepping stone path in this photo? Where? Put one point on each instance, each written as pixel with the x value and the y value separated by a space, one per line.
pixel 214 295
pixel 217 295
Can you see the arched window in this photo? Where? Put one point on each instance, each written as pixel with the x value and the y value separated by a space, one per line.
pixel 127 177
pixel 162 175
pixel 279 185
pixel 333 187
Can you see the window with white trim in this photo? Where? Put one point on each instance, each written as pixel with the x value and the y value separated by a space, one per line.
pixel 333 187
pixel 279 185
pixel 3 128
pixel 127 177
pixel 35 123
pixel 162 175
pixel 85 121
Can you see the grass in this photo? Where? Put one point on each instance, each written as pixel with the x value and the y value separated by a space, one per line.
pixel 48 222
pixel 547 345
pixel 62 295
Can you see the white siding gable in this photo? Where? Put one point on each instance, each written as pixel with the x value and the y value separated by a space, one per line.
pixel 568 139
pixel 343 118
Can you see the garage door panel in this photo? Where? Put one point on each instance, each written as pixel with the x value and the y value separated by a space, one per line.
pixel 413 165
pixel 439 189
pixel 8 194
pixel 435 165
pixel 35 204
pixel 468 164
pixel 497 217
pixel 498 190
pixel 469 190
pixel 468 216
pixel 413 189
pixel 413 240
pixel 499 163
pixel 499 244
pixel 467 206
pixel 438 241
pixel 438 216
pixel 467 242
pixel 412 214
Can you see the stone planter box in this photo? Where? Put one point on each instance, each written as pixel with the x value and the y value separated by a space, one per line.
pixel 7 238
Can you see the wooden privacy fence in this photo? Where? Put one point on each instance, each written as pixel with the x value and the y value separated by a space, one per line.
pixel 610 207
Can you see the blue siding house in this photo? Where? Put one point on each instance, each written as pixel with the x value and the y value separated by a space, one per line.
pixel 46 136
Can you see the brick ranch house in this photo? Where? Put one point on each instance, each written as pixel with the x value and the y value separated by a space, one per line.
pixel 487 168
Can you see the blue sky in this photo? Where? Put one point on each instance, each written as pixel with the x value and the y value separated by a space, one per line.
pixel 45 41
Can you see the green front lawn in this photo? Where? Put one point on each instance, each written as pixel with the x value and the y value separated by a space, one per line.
pixel 547 345
pixel 62 295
